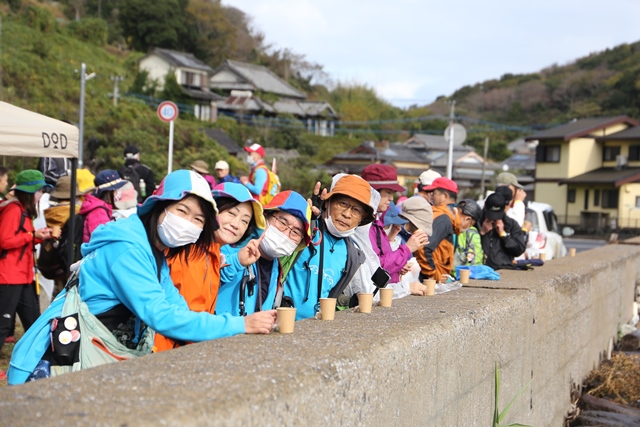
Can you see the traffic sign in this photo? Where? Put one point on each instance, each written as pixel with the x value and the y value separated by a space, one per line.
pixel 459 133
pixel 167 111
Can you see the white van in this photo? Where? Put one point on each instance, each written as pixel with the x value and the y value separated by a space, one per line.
pixel 544 236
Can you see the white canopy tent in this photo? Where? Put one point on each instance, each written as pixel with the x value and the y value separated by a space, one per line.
pixel 28 134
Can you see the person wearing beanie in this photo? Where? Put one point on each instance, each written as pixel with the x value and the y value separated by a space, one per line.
pixel 502 238
pixel 17 240
pixel 436 259
pixel 134 171
pixel 384 179
pixel 125 284
pixel 468 249
pixel 97 207
pixel 261 285
pixel 326 267
pixel 222 173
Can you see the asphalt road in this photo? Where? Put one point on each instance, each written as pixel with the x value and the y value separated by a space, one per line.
pixel 583 244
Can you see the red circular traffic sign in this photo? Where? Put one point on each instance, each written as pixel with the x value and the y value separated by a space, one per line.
pixel 167 111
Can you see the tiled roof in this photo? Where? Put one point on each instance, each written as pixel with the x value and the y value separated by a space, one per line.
pixel 201 94
pixel 182 59
pixel 630 133
pixel 581 128
pixel 524 162
pixel 261 78
pixel 224 140
pixel 613 176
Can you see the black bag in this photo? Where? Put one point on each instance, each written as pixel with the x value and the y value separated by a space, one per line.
pixel 130 174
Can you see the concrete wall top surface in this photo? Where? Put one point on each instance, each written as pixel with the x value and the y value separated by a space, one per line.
pixel 424 361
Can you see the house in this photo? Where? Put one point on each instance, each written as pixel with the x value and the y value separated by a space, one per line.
pixel 410 163
pixel 224 140
pixel 191 73
pixel 522 163
pixel 255 93
pixel 583 170
pixel 468 168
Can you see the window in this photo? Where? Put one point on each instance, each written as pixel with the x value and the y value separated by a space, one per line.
pixel 190 79
pixel 596 197
pixel 586 200
pixel 637 202
pixel 610 153
pixel 610 199
pixel 634 152
pixel 548 153
pixel 571 196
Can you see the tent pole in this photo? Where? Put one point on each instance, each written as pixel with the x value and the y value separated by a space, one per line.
pixel 72 213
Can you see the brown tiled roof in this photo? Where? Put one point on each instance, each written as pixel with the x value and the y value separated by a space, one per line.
pixel 580 128
pixel 224 140
pixel 606 176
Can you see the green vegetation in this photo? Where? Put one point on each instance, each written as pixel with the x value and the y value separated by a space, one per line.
pixel 45 42
pixel 498 416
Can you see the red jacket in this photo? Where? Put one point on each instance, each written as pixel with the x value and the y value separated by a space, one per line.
pixel 16 246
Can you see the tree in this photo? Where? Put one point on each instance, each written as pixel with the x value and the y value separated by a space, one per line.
pixel 214 34
pixel 154 23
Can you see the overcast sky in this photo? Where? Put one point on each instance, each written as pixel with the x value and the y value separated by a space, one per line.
pixel 411 51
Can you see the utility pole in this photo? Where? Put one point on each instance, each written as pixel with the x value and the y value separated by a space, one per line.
pixel 450 161
pixel 83 78
pixel 116 93
pixel 484 165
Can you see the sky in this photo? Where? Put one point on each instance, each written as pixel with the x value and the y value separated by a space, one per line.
pixel 412 51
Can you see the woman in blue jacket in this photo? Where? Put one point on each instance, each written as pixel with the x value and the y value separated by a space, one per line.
pixel 124 280
pixel 259 287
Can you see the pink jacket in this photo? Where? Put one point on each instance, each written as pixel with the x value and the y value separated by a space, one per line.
pixel 96 212
pixel 390 260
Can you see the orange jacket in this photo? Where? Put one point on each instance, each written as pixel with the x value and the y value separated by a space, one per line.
pixel 197 280
pixel 437 258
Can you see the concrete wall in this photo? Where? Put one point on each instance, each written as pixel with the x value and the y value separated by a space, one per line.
pixel 425 361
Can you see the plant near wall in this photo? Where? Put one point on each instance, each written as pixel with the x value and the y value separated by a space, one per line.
pixel 498 417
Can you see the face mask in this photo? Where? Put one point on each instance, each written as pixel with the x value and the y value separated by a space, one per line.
pixel 335 232
pixel 250 160
pixel 275 244
pixel 175 231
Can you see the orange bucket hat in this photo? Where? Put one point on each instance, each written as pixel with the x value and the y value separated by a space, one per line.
pixel 358 189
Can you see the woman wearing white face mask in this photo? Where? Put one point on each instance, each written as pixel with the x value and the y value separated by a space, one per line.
pixel 124 283
pixel 260 286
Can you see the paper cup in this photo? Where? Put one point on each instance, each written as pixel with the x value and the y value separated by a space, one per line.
pixel 386 297
pixel 543 256
pixel 572 252
pixel 431 286
pixel 286 319
pixel 464 276
pixel 328 308
pixel 365 301
pixel 56 231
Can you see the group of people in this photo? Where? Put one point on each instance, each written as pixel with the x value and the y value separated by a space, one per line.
pixel 199 261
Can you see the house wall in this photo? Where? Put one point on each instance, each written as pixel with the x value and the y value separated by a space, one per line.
pixel 226 76
pixel 555 195
pixel 629 213
pixel 585 155
pixel 624 150
pixel 157 68
pixel 558 170
pixel 575 209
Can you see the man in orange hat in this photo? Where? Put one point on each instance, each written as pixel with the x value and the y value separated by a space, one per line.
pixel 326 267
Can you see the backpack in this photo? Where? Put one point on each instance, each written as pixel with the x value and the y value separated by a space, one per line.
pixel 53 261
pixel 23 217
pixel 130 174
pixel 271 188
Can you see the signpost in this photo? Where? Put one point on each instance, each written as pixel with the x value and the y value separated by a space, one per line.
pixel 168 112
pixel 454 134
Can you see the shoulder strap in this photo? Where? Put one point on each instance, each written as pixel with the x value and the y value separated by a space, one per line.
pixel 378 240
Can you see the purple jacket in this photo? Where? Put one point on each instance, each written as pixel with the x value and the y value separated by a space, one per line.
pixel 390 260
pixel 95 214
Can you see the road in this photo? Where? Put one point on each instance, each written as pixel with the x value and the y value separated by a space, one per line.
pixel 583 244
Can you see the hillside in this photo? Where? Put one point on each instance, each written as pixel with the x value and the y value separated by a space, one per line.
pixel 601 84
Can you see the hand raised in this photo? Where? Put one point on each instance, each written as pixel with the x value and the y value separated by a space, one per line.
pixel 250 254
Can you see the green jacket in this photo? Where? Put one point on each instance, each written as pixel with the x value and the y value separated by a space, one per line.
pixel 468 248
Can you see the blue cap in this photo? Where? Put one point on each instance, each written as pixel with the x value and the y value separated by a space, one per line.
pixel 176 186
pixel 241 194
pixel 391 216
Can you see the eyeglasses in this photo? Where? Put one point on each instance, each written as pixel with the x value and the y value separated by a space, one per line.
pixel 282 225
pixel 356 210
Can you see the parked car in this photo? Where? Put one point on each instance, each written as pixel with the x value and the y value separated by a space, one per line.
pixel 544 236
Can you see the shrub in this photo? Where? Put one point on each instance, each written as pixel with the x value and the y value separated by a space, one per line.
pixel 39 19
pixel 90 30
